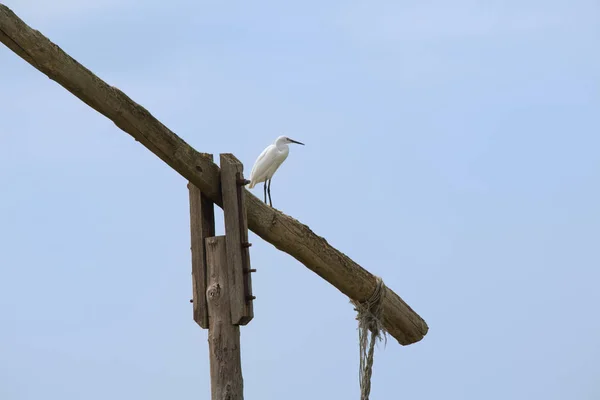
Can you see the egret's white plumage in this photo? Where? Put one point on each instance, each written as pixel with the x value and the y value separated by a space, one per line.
pixel 268 161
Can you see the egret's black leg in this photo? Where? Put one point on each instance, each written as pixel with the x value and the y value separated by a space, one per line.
pixel 269 191
pixel 265 191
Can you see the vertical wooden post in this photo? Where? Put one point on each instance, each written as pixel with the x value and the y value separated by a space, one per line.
pixel 236 229
pixel 221 283
pixel 202 225
pixel 223 336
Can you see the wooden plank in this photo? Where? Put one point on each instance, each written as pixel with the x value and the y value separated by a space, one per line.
pixel 226 380
pixel 236 231
pixel 202 226
pixel 282 231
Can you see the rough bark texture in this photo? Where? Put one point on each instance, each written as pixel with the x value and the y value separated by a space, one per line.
pixel 223 337
pixel 284 232
pixel 236 231
pixel 202 226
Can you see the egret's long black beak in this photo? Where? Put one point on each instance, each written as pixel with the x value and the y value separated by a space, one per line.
pixel 294 141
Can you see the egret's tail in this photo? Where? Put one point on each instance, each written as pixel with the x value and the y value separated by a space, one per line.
pixel 251 184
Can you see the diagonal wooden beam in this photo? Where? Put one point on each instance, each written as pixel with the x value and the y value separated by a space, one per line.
pixel 282 231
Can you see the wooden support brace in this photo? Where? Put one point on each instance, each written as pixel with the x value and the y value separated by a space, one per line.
pixel 236 231
pixel 223 337
pixel 202 226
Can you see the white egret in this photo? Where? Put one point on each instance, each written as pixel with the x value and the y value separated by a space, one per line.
pixel 267 163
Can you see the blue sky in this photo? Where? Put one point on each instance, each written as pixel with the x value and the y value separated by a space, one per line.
pixel 450 148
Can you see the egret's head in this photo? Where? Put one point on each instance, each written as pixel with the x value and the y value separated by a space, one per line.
pixel 287 140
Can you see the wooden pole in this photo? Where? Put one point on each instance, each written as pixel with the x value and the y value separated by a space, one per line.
pixel 226 381
pixel 220 284
pixel 282 231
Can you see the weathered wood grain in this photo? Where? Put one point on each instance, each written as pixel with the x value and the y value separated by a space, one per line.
pixel 202 226
pixel 284 232
pixel 226 381
pixel 236 231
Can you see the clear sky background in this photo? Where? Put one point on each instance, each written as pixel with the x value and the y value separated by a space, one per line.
pixel 452 148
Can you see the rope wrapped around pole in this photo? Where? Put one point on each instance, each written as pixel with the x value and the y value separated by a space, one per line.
pixel 370 330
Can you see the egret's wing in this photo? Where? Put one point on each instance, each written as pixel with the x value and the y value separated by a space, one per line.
pixel 259 161
pixel 276 158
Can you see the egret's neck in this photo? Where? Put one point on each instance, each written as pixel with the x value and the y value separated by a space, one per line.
pixel 281 145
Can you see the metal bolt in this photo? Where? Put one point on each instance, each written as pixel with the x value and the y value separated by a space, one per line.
pixel 245 245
